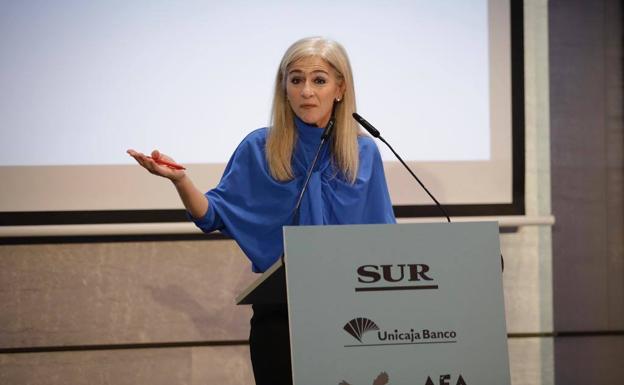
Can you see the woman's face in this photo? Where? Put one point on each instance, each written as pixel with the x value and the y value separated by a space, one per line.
pixel 312 85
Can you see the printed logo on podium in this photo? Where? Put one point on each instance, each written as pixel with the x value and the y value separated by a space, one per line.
pixel 403 276
pixel 360 326
pixel 381 379
pixel 446 379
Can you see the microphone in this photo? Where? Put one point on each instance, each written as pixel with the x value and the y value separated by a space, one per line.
pixel 326 133
pixel 369 127
pixel 375 133
pixel 328 130
pixel 324 136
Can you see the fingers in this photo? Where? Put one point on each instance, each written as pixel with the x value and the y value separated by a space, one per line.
pixel 159 155
pixel 138 156
pixel 144 160
pixel 133 153
pixel 150 164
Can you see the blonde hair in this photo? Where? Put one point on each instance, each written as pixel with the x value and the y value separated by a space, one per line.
pixel 282 134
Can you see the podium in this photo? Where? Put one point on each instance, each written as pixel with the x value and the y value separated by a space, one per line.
pixel 414 304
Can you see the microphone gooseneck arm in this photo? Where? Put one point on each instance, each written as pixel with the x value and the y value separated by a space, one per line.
pixel 324 136
pixel 375 133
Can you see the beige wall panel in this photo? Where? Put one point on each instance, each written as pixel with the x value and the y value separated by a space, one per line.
pixel 111 293
pixel 83 294
pixel 226 365
pixel 119 367
pixel 528 253
pixel 531 364
pixel 527 281
pixel 531 361
pixel 223 365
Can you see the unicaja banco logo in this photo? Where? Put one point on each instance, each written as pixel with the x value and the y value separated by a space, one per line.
pixel 358 326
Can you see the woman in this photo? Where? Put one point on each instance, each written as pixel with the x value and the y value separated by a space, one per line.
pixel 262 181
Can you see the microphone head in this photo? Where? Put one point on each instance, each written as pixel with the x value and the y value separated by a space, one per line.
pixel 328 130
pixel 369 127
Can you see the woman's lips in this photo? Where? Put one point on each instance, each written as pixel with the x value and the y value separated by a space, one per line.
pixel 308 106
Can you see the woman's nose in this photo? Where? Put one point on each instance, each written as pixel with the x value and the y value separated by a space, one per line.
pixel 306 90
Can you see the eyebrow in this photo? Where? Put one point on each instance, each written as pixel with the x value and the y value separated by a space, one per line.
pixel 300 71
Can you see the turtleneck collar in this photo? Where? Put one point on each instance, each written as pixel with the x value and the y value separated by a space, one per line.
pixel 308 132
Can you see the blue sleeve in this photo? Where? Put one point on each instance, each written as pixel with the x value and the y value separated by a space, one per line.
pixel 210 221
pixel 249 205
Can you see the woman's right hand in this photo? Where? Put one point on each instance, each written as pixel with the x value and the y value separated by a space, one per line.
pixel 194 200
pixel 149 163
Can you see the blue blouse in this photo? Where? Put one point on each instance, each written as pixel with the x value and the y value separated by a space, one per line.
pixel 251 207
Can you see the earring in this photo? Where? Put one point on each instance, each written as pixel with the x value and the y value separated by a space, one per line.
pixel 337 99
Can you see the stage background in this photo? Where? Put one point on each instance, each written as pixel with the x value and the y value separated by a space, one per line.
pixel 162 312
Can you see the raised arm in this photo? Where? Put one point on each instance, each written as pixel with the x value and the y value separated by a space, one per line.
pixel 194 200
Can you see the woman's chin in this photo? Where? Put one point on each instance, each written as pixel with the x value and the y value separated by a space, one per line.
pixel 314 120
pixel 309 120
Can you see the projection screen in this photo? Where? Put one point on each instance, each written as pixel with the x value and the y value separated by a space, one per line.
pixel 84 81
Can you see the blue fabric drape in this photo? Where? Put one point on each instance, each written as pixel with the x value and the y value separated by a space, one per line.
pixel 251 207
